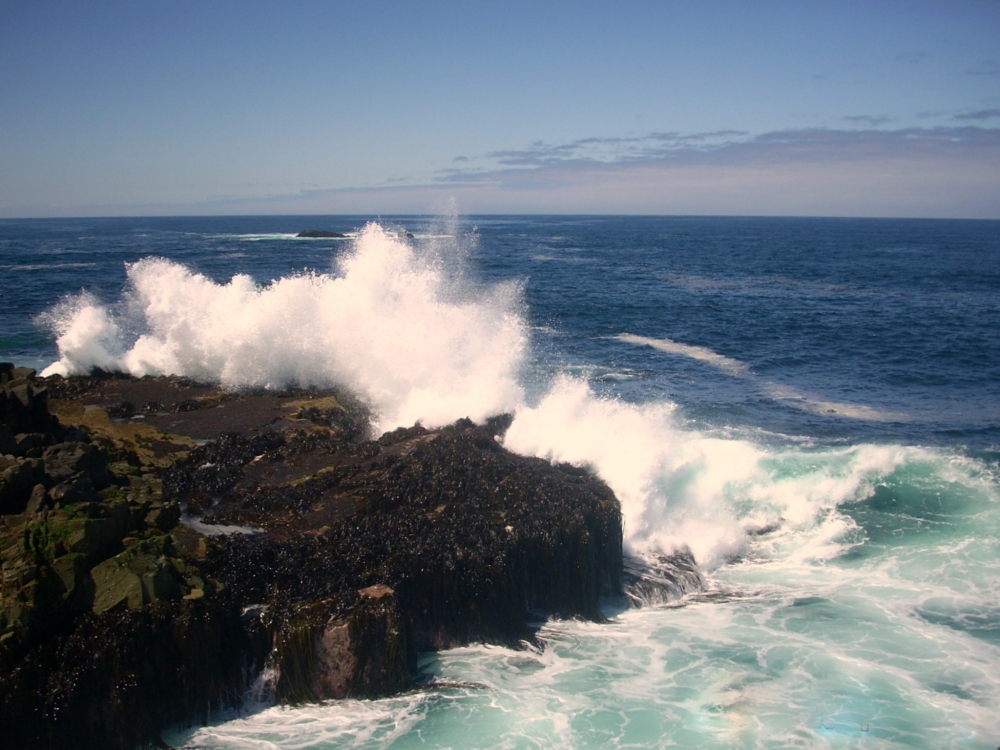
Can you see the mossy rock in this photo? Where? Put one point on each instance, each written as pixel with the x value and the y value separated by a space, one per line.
pixel 145 572
pixel 116 587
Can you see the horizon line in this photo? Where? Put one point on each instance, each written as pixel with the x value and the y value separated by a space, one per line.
pixel 377 215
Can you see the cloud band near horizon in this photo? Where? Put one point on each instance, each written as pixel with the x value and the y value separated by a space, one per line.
pixel 941 172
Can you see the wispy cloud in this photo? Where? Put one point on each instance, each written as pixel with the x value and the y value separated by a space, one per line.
pixel 931 172
pixel 708 136
pixel 871 120
pixel 538 153
pixel 609 149
pixel 982 114
pixel 985 68
pixel 727 147
pixel 914 57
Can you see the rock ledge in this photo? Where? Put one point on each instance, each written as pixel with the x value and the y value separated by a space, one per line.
pixel 117 619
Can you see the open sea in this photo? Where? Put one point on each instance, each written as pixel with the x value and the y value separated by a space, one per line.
pixel 810 406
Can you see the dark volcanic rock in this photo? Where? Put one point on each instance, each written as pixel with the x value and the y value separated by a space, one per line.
pixel 24 403
pixel 118 679
pixel 364 652
pixel 470 536
pixel 115 621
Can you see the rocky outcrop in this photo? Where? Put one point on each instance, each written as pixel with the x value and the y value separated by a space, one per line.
pixel 320 234
pixel 364 652
pixel 116 619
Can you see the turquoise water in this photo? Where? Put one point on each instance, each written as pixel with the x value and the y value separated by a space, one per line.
pixel 812 407
pixel 888 639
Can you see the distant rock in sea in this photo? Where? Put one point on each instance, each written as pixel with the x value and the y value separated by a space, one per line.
pixel 321 234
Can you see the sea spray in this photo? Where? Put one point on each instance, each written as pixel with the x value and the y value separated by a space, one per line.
pixel 87 336
pixel 401 324
pixel 854 598
pixel 394 324
pixel 681 488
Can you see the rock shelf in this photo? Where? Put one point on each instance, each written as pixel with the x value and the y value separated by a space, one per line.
pixel 117 619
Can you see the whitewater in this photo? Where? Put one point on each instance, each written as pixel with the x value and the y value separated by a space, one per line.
pixel 809 409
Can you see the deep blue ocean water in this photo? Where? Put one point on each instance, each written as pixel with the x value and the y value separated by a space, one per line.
pixel 811 406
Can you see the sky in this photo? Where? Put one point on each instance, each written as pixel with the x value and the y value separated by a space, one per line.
pixel 716 107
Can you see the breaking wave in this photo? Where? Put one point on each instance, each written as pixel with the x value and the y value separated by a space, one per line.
pixel 400 323
pixel 400 327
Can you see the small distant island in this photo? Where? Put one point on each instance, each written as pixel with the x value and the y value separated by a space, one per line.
pixel 315 234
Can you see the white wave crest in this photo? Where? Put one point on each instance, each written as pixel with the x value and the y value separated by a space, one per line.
pixel 685 489
pixel 789 396
pixel 396 326
pixel 701 353
pixel 401 326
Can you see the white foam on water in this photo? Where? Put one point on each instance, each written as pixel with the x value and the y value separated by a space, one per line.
pixel 701 353
pixel 281 236
pixel 401 327
pixel 338 724
pixel 401 324
pixel 681 488
pixel 773 670
pixel 821 406
pixel 818 634
pixel 87 336
pixel 789 396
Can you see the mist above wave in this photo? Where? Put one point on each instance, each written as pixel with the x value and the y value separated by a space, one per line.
pixel 400 326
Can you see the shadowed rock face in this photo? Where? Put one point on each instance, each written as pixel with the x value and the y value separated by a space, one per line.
pixel 116 620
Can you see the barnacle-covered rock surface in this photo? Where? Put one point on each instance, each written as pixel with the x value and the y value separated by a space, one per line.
pixel 164 543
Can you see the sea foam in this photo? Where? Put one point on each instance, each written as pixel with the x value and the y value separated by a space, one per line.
pixel 402 325
pixel 683 488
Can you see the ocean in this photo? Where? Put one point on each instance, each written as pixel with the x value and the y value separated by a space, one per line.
pixel 811 407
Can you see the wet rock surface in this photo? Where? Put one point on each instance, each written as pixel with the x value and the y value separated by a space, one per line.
pixel 117 618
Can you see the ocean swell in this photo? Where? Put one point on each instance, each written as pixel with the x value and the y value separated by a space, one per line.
pixel 400 323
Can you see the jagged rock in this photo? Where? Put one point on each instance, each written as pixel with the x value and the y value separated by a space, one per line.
pixel 80 490
pixel 116 587
pixel 67 460
pixel 8 443
pixel 39 499
pixel 9 372
pixel 18 478
pixel 78 586
pixel 32 444
pixel 24 401
pixel 363 654
pixel 119 678
pixel 372 549
pixel 143 573
pixel 163 516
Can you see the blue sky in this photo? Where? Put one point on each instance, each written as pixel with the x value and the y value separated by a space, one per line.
pixel 775 108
